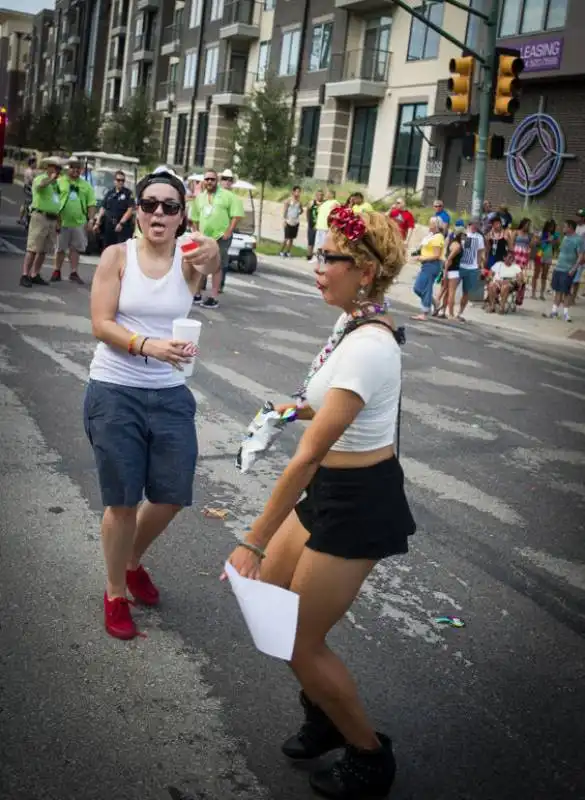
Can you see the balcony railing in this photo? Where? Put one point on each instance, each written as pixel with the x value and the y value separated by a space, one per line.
pixel 238 12
pixel 231 82
pixel 142 41
pixel 168 89
pixel 361 65
pixel 116 62
pixel 171 38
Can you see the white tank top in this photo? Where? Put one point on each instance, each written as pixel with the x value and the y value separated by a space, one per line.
pixel 147 307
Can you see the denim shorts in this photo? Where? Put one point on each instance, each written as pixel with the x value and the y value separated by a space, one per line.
pixel 144 442
pixel 468 279
pixel 561 282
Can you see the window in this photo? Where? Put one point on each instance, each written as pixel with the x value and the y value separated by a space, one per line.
pixel 424 43
pixel 166 135
pixel 362 143
pixel 190 69
pixel 139 25
pixel 377 49
pixel 263 60
pixel 195 13
pixel 532 16
pixel 173 68
pixel 321 47
pixel 211 64
pixel 201 138
pixel 269 5
pixel 308 138
pixel 407 146
pixel 181 138
pixel 216 9
pixel 289 52
pixel 474 25
pixel 134 76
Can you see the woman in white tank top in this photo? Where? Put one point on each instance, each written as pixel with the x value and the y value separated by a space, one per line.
pixel 355 511
pixel 138 413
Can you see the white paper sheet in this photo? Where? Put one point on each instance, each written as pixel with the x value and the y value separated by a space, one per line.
pixel 271 614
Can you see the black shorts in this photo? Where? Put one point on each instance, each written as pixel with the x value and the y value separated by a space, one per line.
pixel 291 231
pixel 358 513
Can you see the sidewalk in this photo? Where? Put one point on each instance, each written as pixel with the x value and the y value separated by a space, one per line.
pixel 527 321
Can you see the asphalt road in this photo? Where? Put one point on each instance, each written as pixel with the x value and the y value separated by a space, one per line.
pixel 492 446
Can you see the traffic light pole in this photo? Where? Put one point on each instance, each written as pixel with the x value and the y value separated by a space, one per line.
pixel 485 102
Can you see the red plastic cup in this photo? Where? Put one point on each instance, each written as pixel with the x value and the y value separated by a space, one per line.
pixel 189 247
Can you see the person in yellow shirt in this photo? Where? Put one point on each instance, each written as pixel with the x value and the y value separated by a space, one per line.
pixel 359 204
pixel 322 224
pixel 431 263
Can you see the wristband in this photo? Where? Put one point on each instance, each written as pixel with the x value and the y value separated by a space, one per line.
pixel 141 351
pixel 253 549
pixel 131 344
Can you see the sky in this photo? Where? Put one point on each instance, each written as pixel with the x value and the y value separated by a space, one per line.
pixel 31 6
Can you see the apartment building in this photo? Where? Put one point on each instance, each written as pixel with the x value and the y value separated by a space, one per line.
pixel 39 76
pixel 544 158
pixel 357 72
pixel 75 52
pixel 15 38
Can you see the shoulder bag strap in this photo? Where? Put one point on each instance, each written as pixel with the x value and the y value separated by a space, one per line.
pixel 400 337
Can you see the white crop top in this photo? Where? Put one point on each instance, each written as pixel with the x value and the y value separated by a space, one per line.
pixel 368 363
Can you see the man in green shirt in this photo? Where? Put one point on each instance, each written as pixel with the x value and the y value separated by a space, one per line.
pixel 42 231
pixel 77 213
pixel 215 212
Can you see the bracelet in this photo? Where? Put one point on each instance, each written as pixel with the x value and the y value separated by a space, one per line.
pixel 141 351
pixel 253 549
pixel 131 344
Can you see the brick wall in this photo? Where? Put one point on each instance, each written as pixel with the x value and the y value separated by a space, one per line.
pixel 566 103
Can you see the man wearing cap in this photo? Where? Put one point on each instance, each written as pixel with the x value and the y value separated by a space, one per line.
pixel 42 231
pixel 403 218
pixel 215 212
pixel 77 213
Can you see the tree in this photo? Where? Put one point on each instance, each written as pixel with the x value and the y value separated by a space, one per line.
pixel 132 130
pixel 47 128
pixel 19 131
pixel 80 129
pixel 263 141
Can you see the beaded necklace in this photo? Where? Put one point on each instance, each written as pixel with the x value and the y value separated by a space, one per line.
pixel 364 310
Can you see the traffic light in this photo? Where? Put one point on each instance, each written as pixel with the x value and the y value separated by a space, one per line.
pixel 459 85
pixel 508 67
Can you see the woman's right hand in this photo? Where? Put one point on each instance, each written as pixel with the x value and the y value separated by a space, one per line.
pixel 170 351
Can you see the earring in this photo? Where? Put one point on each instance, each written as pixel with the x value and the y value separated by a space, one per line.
pixel 362 294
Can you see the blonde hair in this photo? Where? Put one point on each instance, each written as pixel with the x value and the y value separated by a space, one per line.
pixel 387 249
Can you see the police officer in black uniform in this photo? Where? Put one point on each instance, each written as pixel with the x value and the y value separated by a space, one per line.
pixel 116 212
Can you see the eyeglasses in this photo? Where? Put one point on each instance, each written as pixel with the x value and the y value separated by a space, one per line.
pixel 170 208
pixel 210 178
pixel 323 257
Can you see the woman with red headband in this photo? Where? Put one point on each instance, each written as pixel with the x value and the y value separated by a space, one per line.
pixel 355 511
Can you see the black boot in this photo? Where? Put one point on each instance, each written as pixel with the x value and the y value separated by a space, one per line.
pixel 317 736
pixel 359 774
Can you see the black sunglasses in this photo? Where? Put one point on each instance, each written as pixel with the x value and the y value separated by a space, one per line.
pixel 170 208
pixel 210 178
pixel 323 257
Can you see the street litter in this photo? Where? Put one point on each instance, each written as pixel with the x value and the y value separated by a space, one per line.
pixel 454 622
pixel 216 513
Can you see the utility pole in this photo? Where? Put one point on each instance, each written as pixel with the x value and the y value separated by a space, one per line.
pixel 485 99
pixel 487 61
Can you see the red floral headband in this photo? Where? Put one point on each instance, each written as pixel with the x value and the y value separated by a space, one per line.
pixel 352 226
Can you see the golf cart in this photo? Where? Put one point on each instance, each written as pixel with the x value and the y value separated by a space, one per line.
pixel 100 169
pixel 242 253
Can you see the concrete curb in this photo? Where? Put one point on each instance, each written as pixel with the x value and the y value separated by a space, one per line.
pixel 409 304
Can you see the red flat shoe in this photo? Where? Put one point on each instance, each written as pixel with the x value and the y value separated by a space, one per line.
pixel 118 619
pixel 142 588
